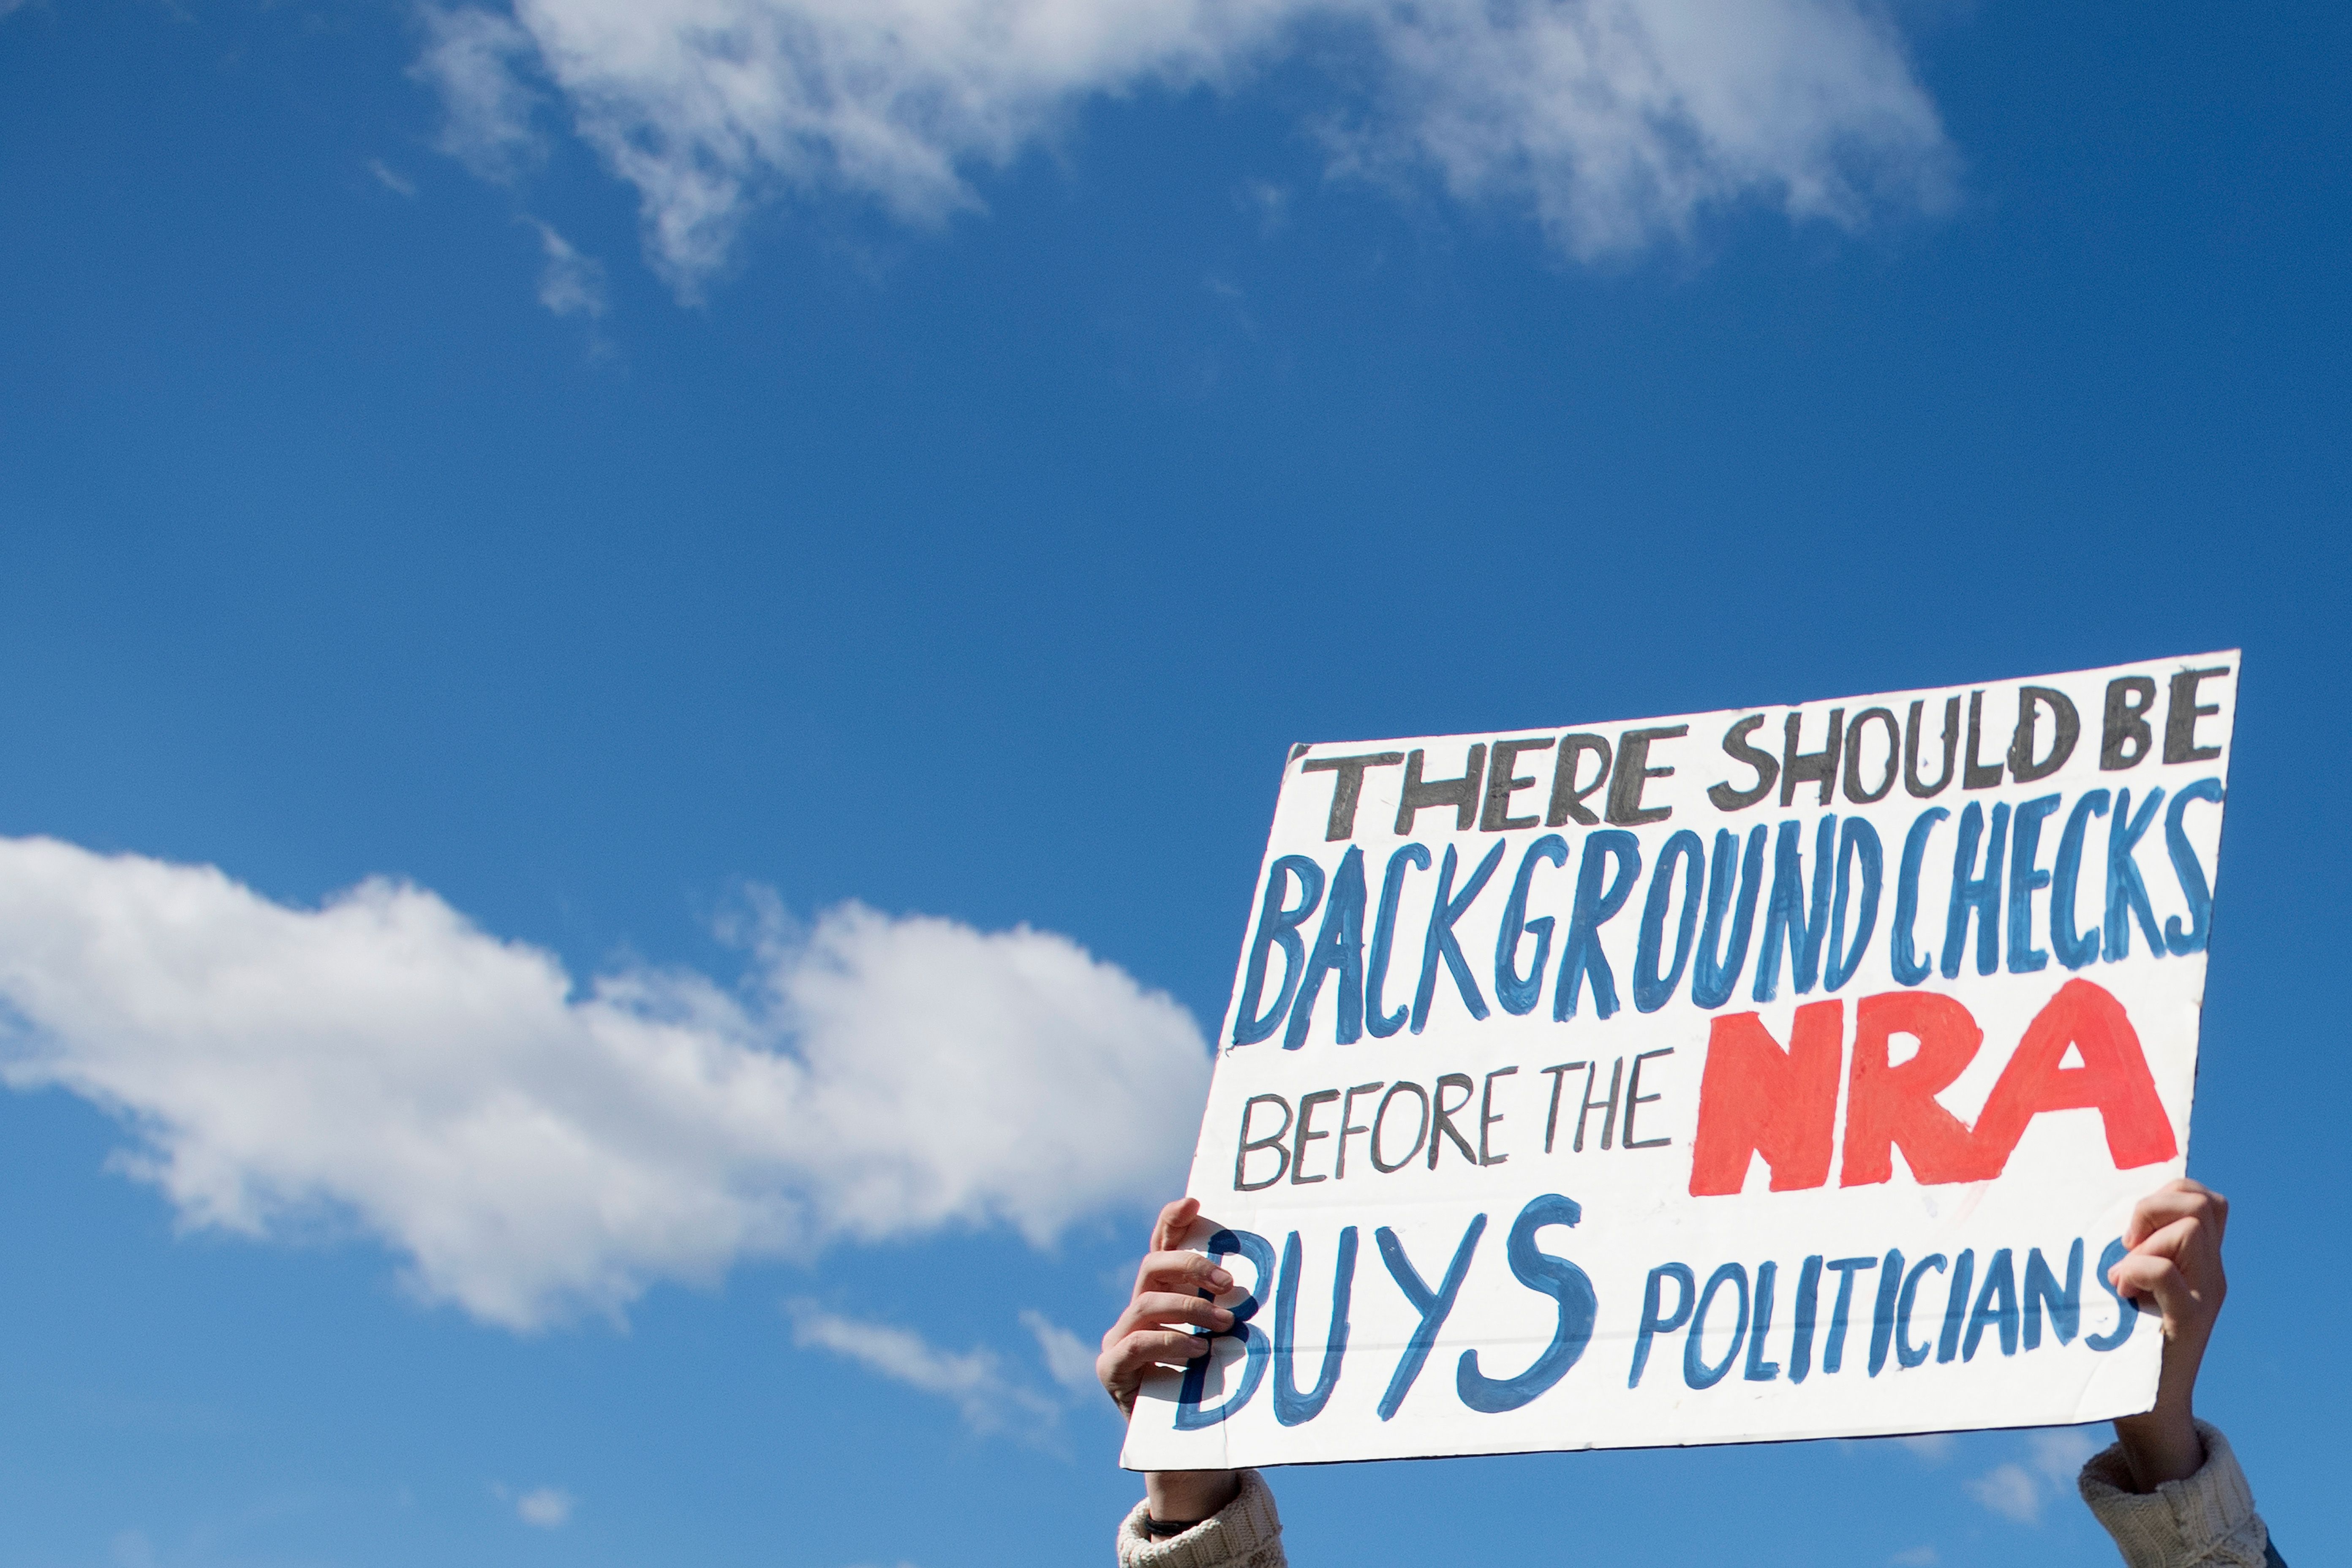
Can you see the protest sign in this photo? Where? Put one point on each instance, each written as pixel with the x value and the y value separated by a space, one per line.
pixel 1771 1073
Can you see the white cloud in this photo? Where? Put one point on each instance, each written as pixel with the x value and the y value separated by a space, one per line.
pixel 973 1379
pixel 1614 122
pixel 2059 1452
pixel 2012 1491
pixel 391 179
pixel 1913 1557
pixel 1929 1448
pixel 570 284
pixel 550 1507
pixel 474 61
pixel 2008 1491
pixel 535 1148
pixel 1069 1359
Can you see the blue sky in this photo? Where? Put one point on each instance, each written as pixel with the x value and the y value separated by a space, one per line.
pixel 732 538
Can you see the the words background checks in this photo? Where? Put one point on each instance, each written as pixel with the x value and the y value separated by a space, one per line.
pixel 1768 1073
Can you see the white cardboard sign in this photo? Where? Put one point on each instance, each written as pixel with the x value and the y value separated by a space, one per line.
pixel 1772 1073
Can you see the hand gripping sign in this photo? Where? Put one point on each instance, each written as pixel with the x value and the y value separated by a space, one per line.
pixel 1774 1073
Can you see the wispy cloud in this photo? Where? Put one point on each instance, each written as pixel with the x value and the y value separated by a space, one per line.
pixel 1913 1557
pixel 391 179
pixel 1069 1360
pixel 1612 122
pixel 537 1145
pixel 570 284
pixel 2018 1492
pixel 1929 1448
pixel 546 1508
pixel 2008 1491
pixel 973 1379
pixel 2059 1452
pixel 476 61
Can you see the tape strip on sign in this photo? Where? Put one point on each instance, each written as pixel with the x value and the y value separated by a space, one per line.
pixel 1779 1072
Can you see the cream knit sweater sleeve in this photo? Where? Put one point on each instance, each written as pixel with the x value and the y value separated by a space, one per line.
pixel 2209 1518
pixel 2206 1521
pixel 1244 1534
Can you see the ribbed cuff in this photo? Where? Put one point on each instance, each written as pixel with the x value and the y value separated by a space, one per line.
pixel 1244 1534
pixel 2209 1518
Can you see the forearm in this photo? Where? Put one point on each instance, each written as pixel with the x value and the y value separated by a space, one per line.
pixel 1187 1497
pixel 2162 1445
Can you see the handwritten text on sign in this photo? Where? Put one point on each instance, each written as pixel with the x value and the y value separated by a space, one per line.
pixel 1760 1074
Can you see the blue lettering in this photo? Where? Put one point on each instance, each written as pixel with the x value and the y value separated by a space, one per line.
pixel 2025 880
pixel 1434 1306
pixel 1580 954
pixel 1717 974
pixel 1652 990
pixel 1909 967
pixel 1439 942
pixel 2074 949
pixel 1290 1407
pixel 1277 927
pixel 1566 1284
pixel 2126 894
pixel 1516 992
pixel 1189 1416
pixel 1339 946
pixel 1384 939
pixel 1858 839
pixel 2193 885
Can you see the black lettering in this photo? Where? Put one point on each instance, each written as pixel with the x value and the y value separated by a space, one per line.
pixel 1551 1119
pixel 1854 790
pixel 1607 1108
pixel 1487 1116
pixel 1633 1097
pixel 1634 770
pixel 1501 785
pixel 2125 737
pixel 1347 1112
pixel 1307 1105
pixel 1461 794
pixel 1348 788
pixel 1975 775
pixel 1443 1122
pixel 1420 1131
pixel 1767 766
pixel 1567 800
pixel 1272 1140
pixel 2066 724
pixel 1803 767
pixel 1918 787
pixel 2180 716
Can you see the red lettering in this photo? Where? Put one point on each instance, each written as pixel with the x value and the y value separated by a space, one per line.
pixel 2114 1080
pixel 1894 1105
pixel 1757 1098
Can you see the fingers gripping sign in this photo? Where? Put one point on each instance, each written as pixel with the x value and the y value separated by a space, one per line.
pixel 1190 1416
pixel 1174 1286
pixel 2173 1269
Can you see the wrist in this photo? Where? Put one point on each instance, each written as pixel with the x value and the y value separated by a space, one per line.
pixel 2160 1445
pixel 1187 1497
